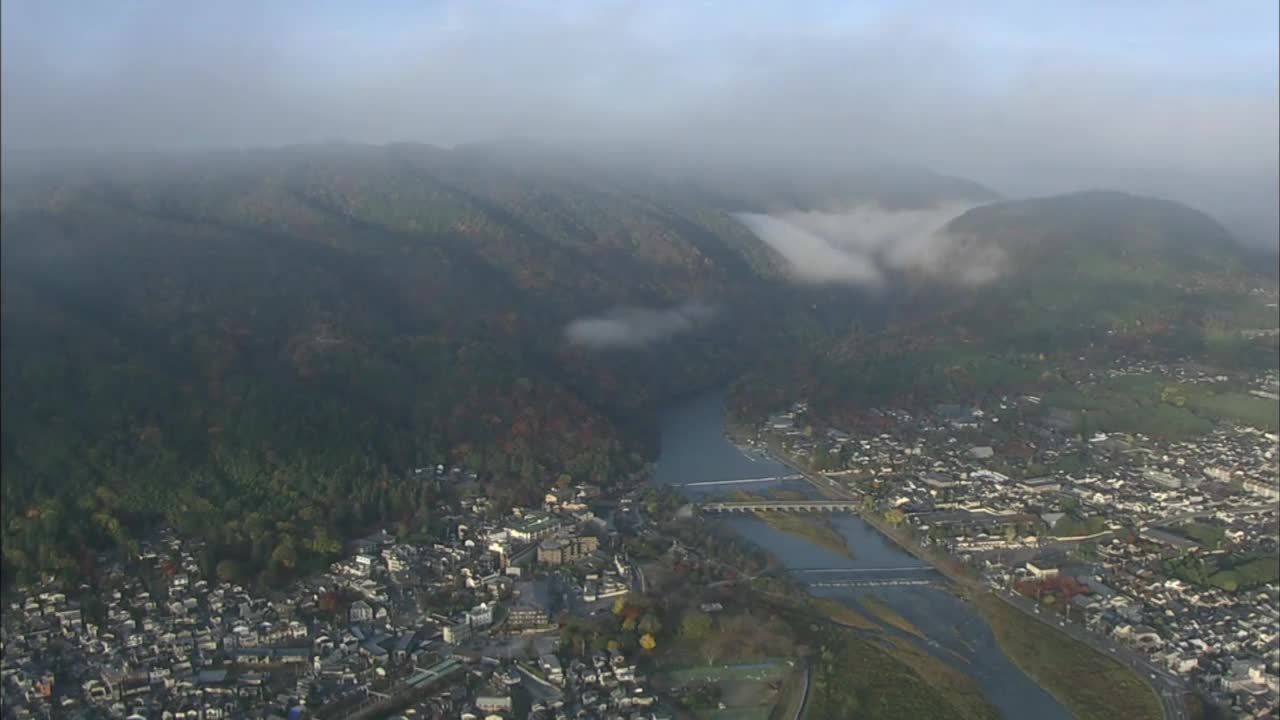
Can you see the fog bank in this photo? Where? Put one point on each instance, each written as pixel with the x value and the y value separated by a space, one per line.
pixel 866 244
pixel 636 327
pixel 1177 99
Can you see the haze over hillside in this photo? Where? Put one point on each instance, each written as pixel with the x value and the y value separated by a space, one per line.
pixel 543 225
pixel 1028 100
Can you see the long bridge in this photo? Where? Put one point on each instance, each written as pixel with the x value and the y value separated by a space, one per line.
pixel 868 577
pixel 744 481
pixel 874 582
pixel 781 506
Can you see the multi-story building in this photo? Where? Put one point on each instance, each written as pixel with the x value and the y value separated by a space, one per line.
pixel 534 526
pixel 480 616
pixel 558 551
pixel 457 633
pixel 528 617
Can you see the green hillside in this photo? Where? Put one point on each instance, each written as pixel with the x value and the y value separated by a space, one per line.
pixel 1092 274
pixel 259 347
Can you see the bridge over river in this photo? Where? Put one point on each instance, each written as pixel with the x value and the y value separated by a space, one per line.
pixel 781 506
pixel 868 577
pixel 743 481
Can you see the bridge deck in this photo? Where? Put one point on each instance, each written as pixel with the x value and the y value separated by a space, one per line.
pixel 781 506
pixel 743 481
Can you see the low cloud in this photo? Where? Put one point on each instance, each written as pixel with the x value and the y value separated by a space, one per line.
pixel 635 327
pixel 866 244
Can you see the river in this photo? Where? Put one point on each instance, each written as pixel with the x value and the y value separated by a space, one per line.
pixel 694 449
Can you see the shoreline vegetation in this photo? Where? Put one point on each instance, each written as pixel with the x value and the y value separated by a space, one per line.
pixel 850 639
pixel 1089 684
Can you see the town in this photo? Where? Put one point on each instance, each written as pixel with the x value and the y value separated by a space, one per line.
pixel 1167 548
pixel 461 628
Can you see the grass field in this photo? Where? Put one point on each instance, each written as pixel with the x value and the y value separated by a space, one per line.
pixel 768 670
pixel 1150 405
pixel 1237 407
pixel 1210 537
pixel 748 690
pixel 856 678
pixel 1091 685
pixel 958 688
pixel 1130 404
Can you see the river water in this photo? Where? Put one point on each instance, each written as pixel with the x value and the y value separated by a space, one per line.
pixel 695 449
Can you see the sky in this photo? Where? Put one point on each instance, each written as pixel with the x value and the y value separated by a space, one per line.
pixel 1168 97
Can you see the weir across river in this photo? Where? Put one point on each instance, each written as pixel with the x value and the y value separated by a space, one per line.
pixel 868 577
pixel 744 481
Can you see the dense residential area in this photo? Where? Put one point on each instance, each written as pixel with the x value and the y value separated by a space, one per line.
pixel 1161 544
pixel 462 628
pixel 759 426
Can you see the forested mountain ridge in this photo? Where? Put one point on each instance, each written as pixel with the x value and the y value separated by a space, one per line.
pixel 259 346
pixel 1079 278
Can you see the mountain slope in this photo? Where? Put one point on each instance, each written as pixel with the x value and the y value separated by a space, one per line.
pixel 1089 274
pixel 259 346
pixel 1080 265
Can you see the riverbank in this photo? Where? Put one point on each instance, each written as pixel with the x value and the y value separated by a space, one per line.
pixel 894 678
pixel 1091 685
pixel 969 676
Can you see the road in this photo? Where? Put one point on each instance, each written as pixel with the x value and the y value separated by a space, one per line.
pixel 804 696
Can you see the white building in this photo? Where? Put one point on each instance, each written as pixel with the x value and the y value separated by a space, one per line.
pixel 480 616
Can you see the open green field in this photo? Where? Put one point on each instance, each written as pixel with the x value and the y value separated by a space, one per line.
pixel 1131 404
pixel 1237 407
pixel 747 690
pixel 857 678
pixel 925 684
pixel 768 670
pixel 1151 405
pixel 1210 537
pixel 1230 573
pixel 1091 685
